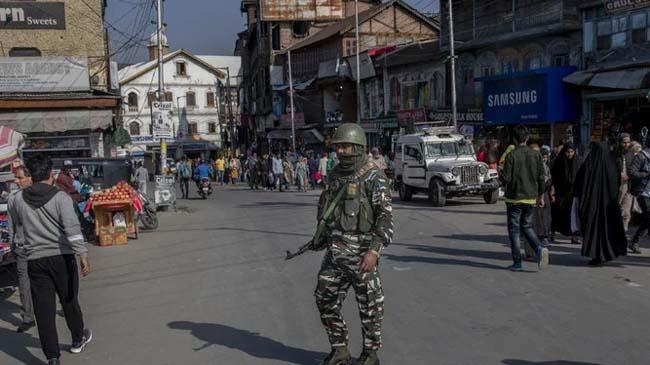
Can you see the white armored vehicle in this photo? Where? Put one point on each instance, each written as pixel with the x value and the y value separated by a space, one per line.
pixel 441 163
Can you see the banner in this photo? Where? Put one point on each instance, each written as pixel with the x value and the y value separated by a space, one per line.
pixel 47 74
pixel 32 15
pixel 162 119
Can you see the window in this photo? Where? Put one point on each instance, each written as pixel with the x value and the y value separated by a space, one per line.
pixel 488 71
pixel 588 37
pixel 619 40
pixel 639 31
pixel 300 29
pixel 24 52
pixel 412 153
pixel 133 102
pixel 560 60
pixel 169 96
pixel 275 37
pixel 210 99
pixel 192 128
pixel 212 128
pixel 468 76
pixel 396 94
pixel 350 47
pixel 190 99
pixel 181 68
pixel 134 128
pixel 151 97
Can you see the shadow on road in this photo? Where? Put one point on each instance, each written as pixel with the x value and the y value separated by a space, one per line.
pixel 249 342
pixel 556 362
pixel 15 345
pixel 7 310
pixel 277 204
pixel 443 261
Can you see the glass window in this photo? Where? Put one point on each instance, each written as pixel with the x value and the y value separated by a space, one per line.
pixel 619 39
pixel 134 128
pixel 588 37
pixel 639 21
pixel 212 128
pixel 604 27
pixel 448 149
pixel 190 98
pixel 619 24
pixel 412 153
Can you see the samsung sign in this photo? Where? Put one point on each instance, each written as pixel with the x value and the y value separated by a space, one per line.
pixel 537 96
pixel 32 15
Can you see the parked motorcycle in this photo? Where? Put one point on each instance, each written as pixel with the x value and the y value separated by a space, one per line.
pixel 148 217
pixel 205 188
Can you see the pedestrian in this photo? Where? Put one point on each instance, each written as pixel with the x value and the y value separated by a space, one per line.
pixel 253 167
pixel 322 169
pixel 51 237
pixel 542 214
pixel 23 180
pixel 265 169
pixel 523 174
pixel 313 169
pixel 65 182
pixel 625 199
pixel 596 193
pixel 378 159
pixel 492 155
pixel 288 175
pixel 277 168
pixel 142 177
pixel 354 239
pixel 220 167
pixel 234 170
pixel 639 174
pixel 302 171
pixel 563 175
pixel 185 173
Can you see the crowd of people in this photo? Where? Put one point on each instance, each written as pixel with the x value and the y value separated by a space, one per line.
pixel 272 172
pixel 590 199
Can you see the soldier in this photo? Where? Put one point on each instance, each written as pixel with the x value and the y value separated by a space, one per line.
pixel 359 227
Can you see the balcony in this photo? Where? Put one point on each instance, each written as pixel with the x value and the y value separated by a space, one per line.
pixel 478 23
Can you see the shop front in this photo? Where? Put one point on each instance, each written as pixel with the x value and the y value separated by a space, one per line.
pixel 538 99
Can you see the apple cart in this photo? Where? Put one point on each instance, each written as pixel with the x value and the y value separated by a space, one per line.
pixel 115 214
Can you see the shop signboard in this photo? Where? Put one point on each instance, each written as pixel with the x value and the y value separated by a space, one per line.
pixel 301 10
pixel 32 15
pixel 165 194
pixel 619 6
pixel 530 97
pixel 162 119
pixel 409 116
pixel 48 74
pixel 298 119
pixel 467 116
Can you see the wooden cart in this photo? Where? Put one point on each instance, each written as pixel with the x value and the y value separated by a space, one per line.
pixel 107 234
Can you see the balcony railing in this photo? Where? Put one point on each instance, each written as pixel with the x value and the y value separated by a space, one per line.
pixel 481 22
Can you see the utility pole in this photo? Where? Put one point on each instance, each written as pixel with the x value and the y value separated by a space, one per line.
pixel 356 17
pixel 293 122
pixel 161 81
pixel 452 58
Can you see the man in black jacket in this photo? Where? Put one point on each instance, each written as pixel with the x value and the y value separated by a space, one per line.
pixel 523 174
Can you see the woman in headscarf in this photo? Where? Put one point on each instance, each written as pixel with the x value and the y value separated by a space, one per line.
pixel 563 175
pixel 599 213
pixel 542 215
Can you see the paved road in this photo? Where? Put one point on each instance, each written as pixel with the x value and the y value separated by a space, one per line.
pixel 211 287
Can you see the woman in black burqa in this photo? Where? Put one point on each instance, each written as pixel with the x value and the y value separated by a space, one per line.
pixel 596 189
pixel 563 175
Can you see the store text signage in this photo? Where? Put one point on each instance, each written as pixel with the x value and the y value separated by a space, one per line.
pixel 32 15
pixel 446 115
pixel 411 115
pixel 516 100
pixel 162 120
pixel 48 74
pixel 616 6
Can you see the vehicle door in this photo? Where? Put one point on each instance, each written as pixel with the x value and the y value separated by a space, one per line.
pixel 414 165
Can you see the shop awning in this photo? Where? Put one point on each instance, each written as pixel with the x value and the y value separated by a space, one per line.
pixel 366 67
pixel 296 86
pixel 10 142
pixel 57 121
pixel 627 79
pixel 311 136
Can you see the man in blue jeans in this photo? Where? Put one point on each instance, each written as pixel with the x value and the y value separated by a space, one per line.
pixel 523 174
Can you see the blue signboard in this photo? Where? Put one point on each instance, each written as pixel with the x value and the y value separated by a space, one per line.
pixel 531 97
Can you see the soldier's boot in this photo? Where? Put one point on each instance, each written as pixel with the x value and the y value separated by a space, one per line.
pixel 338 356
pixel 368 357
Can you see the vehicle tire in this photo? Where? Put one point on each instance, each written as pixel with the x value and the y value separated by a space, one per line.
pixel 437 193
pixel 405 192
pixel 149 219
pixel 491 197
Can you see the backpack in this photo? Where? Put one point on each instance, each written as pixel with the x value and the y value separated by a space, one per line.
pixel 185 171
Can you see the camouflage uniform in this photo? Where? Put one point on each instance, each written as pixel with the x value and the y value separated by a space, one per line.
pixel 361 221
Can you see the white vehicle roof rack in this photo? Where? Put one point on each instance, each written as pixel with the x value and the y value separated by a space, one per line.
pixel 440 131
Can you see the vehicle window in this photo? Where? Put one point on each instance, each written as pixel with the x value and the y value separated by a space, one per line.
pixel 92 171
pixel 448 149
pixel 412 153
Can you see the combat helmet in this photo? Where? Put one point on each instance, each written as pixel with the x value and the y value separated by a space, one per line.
pixel 350 133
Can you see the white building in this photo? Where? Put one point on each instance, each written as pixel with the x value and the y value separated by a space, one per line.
pixel 195 85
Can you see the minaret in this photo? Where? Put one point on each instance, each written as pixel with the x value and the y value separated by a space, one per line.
pixel 153 46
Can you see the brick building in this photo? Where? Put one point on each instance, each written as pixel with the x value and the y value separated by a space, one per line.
pixel 66 102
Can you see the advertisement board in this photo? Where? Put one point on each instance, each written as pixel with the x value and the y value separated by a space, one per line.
pixel 32 15
pixel 297 10
pixel 47 74
pixel 162 119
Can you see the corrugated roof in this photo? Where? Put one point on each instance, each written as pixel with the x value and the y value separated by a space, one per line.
pixel 348 23
pixel 411 53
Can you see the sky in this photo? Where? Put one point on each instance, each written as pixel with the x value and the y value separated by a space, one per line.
pixel 203 27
